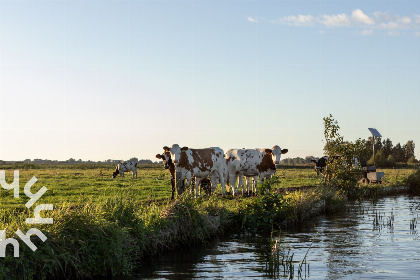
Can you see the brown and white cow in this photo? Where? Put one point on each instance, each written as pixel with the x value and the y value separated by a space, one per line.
pixel 252 163
pixel 200 163
pixel 125 166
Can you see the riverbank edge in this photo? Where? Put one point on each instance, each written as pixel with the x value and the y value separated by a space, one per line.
pixel 112 237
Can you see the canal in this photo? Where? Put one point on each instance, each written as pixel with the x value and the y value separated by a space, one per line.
pixel 371 240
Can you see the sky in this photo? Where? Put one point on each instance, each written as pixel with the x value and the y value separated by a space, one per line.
pixel 97 80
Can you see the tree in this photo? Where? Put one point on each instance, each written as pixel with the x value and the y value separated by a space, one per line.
pixel 134 159
pixel 409 151
pixel 341 169
pixel 308 159
pixel 398 153
pixel 387 147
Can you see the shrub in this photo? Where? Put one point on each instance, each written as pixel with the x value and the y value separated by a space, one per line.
pixel 413 182
pixel 342 170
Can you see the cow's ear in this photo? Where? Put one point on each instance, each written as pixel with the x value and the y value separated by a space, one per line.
pixel 166 148
pixel 184 149
pixel 284 151
pixel 314 161
pixel 159 156
pixel 268 151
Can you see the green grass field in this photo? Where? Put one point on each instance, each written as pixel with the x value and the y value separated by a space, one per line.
pixel 67 183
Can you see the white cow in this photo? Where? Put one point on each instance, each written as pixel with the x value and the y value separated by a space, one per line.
pixel 252 163
pixel 125 166
pixel 200 163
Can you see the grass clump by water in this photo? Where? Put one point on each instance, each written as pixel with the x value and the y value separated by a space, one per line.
pixel 275 208
pixel 413 182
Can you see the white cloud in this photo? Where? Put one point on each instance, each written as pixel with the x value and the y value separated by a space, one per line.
pixel 381 16
pixel 300 20
pixel 394 22
pixel 367 32
pixel 404 20
pixel 417 34
pixel 389 25
pixel 359 16
pixel 393 33
pixel 335 20
pixel 251 19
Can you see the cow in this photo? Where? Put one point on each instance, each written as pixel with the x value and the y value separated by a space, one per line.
pixel 168 164
pixel 125 166
pixel 252 163
pixel 200 163
pixel 204 183
pixel 320 164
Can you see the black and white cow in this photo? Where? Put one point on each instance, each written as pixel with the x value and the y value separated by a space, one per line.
pixel 200 163
pixel 320 164
pixel 125 166
pixel 252 163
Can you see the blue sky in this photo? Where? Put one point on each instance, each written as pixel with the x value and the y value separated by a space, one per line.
pixel 117 79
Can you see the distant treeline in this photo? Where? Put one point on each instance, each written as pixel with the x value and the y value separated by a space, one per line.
pixel 386 154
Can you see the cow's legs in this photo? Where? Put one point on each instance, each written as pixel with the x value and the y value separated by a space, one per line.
pixel 232 179
pixel 213 180
pixel 255 185
pixel 241 184
pixel 197 184
pixel 239 181
pixel 222 182
pixel 248 184
pixel 173 187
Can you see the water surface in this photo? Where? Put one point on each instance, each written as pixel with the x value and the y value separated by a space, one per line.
pixel 369 241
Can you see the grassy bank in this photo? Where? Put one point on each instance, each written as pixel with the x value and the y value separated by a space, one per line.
pixel 104 227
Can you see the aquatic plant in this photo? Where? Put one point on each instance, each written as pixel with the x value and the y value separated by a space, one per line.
pixel 280 262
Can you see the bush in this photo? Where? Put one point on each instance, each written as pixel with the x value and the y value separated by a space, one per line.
pixel 413 182
pixel 342 170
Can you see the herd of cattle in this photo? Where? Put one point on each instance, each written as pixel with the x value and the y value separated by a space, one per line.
pixel 213 163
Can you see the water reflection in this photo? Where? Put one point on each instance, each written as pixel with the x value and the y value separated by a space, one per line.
pixel 370 240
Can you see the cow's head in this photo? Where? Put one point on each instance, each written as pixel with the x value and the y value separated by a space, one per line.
pixel 165 157
pixel 276 153
pixel 176 151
